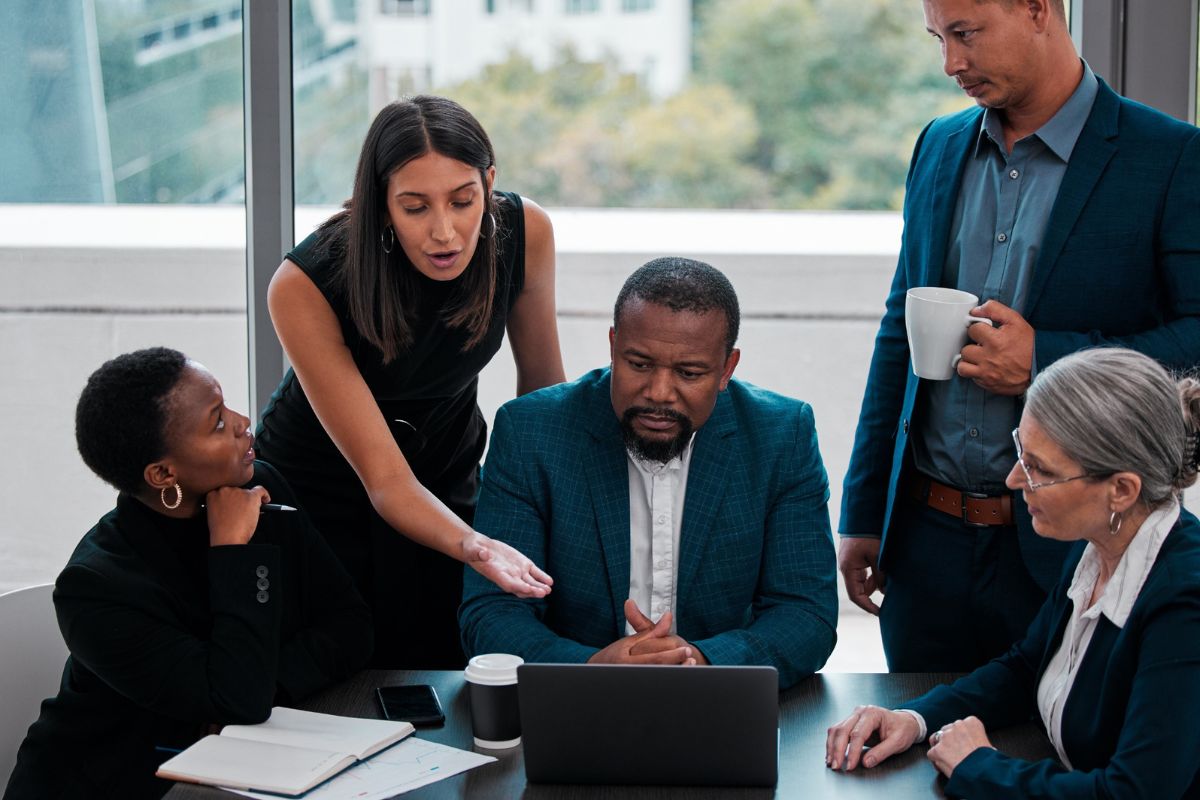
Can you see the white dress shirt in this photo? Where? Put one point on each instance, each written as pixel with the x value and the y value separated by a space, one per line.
pixel 655 518
pixel 1115 603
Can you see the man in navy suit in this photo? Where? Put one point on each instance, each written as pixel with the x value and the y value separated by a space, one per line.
pixel 1074 214
pixel 682 512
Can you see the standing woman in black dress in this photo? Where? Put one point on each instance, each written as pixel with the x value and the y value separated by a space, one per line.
pixel 387 313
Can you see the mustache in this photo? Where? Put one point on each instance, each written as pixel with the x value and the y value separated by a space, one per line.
pixel 668 413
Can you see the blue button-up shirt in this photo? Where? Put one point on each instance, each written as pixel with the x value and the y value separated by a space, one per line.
pixel 1003 205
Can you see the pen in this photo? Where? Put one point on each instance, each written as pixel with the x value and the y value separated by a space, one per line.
pixel 275 507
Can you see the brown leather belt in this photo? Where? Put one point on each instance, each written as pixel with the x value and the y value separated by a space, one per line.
pixel 979 510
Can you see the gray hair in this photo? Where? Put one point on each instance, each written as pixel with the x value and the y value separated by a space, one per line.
pixel 1116 410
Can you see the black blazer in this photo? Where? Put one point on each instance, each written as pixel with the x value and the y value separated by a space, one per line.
pixel 1129 724
pixel 168 636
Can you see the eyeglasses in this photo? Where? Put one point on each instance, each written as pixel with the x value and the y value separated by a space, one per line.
pixel 1029 482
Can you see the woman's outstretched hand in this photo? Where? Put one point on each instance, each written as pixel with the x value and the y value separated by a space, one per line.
pixel 505 566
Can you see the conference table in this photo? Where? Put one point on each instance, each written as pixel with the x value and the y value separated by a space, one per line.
pixel 805 711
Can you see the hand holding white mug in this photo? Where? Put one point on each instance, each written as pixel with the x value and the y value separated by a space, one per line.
pixel 1001 360
pixel 937 320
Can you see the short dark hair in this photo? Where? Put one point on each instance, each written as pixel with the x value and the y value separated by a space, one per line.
pixel 683 284
pixel 1058 6
pixel 121 417
pixel 381 288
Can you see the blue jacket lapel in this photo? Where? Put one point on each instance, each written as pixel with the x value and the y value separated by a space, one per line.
pixel 953 160
pixel 713 458
pixel 607 476
pixel 1091 155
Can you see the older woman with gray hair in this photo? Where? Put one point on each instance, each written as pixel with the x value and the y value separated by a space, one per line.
pixel 1107 443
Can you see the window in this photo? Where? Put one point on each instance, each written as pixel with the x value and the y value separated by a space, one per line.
pixel 133 116
pixel 404 8
pixel 631 6
pixel 521 6
pixel 581 6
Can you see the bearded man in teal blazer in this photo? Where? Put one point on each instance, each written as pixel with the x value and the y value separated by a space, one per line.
pixel 681 512
pixel 1074 215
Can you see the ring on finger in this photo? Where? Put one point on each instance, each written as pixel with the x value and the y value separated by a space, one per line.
pixel 936 737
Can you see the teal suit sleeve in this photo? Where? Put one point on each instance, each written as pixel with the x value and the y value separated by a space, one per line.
pixel 491 620
pixel 794 613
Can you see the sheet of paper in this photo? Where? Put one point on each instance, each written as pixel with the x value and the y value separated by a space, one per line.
pixel 409 765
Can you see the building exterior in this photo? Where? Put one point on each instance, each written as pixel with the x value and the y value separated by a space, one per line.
pixel 413 45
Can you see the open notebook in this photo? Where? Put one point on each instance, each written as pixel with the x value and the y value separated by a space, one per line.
pixel 289 754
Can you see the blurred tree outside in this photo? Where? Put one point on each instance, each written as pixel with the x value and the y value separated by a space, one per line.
pixel 840 90
pixel 585 134
pixel 793 104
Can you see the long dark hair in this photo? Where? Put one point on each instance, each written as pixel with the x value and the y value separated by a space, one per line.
pixel 381 288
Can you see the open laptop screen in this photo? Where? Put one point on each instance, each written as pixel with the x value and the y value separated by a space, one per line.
pixel 626 724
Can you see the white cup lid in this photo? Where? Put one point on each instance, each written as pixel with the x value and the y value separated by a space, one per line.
pixel 493 669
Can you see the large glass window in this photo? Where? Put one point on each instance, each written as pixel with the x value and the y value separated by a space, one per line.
pixel 581 6
pixel 122 226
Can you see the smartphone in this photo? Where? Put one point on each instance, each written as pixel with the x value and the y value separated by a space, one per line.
pixel 417 704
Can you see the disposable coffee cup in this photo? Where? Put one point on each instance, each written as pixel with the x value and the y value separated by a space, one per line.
pixel 492 687
pixel 937 320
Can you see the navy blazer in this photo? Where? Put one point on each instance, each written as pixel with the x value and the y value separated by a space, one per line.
pixel 756 567
pixel 168 635
pixel 1129 725
pixel 1119 265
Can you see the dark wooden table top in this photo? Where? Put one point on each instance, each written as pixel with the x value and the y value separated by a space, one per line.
pixel 805 712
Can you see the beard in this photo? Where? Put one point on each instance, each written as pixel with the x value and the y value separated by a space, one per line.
pixel 660 450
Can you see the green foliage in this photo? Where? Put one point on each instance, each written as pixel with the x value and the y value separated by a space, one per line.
pixel 586 134
pixel 840 91
pixel 793 104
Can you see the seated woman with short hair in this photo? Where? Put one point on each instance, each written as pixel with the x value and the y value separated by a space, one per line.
pixel 1111 664
pixel 186 607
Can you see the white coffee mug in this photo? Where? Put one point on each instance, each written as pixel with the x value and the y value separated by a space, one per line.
pixel 937 320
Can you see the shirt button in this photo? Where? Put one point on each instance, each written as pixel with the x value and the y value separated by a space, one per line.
pixel 661 519
pixel 261 571
pixel 1003 237
pixel 974 432
pixel 262 597
pixel 263 583
pixel 661 565
pixel 1014 174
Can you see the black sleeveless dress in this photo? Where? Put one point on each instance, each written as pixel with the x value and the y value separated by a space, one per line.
pixel 428 397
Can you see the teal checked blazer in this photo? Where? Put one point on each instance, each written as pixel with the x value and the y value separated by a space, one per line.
pixel 756 568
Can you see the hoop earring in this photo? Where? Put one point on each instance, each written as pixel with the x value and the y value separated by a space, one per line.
pixel 490 233
pixel 388 244
pixel 1114 522
pixel 162 496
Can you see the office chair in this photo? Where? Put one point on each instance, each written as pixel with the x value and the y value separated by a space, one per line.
pixel 32 654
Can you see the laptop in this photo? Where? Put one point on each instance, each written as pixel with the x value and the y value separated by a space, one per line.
pixel 665 725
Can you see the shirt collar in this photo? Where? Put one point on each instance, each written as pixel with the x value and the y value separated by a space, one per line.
pixel 1131 573
pixel 1061 132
